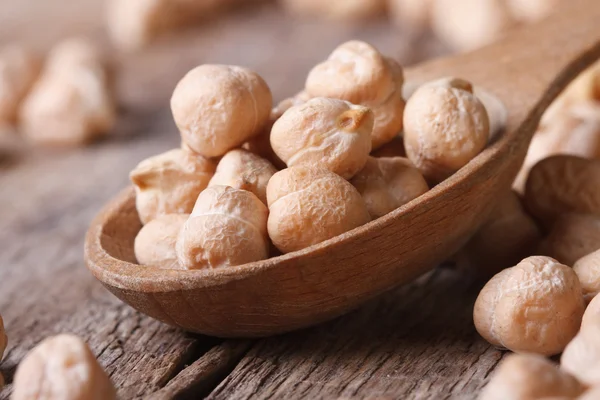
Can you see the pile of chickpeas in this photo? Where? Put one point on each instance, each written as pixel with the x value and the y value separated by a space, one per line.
pixel 547 303
pixel 249 176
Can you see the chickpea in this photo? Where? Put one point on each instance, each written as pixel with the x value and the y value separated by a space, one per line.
pixel 227 227
pixel 469 24
pixel 358 73
pixel 531 10
pixel 218 108
pixel 527 377
pixel 572 237
pixel 587 269
pixel 170 183
pixel 309 205
pixel 19 68
pixel 62 367
pixel 508 235
pixel 394 148
pixel 241 169
pixel 328 132
pixel 388 183
pixel 592 311
pixel 345 10
pixel 445 126
pixel 72 102
pixel 581 357
pixel 416 14
pixel 535 306
pixel 591 394
pixel 155 243
pixel 561 184
pixel 261 146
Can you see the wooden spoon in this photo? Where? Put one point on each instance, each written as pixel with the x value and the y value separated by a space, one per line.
pixel 525 71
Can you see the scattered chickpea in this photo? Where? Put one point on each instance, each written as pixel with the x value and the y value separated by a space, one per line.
pixel 388 183
pixel 581 357
pixel 445 126
pixel 346 10
pixel 227 227
pixel 561 184
pixel 535 306
pixel 19 68
pixel 241 169
pixel 587 269
pixel 530 376
pixel 592 311
pixel 170 183
pixel 301 195
pixel 469 24
pixel 62 367
pixel 572 236
pixel 358 73
pixel 155 243
pixel 328 132
pixel 72 102
pixel 509 235
pixel 217 108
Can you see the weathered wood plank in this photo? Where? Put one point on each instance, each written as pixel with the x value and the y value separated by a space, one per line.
pixel 415 343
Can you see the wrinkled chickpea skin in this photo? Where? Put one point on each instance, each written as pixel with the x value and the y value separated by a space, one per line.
pixel 300 195
pixel 218 107
pixel 328 132
pixel 388 183
pixel 241 169
pixel 530 376
pixel 170 183
pixel 538 282
pixel 227 227
pixel 61 367
pixel 72 102
pixel 445 126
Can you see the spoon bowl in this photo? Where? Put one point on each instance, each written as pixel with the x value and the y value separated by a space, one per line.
pixel 526 71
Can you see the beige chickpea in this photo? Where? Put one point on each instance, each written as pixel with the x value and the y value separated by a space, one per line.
pixel 414 14
pixel 227 227
pixel 170 183
pixel 445 126
pixel 592 311
pixel 345 10
pixel 561 184
pixel 528 377
pixel 19 68
pixel 572 237
pixel 328 132
pixel 72 102
pixel 587 269
pixel 469 24
pixel 581 357
pixel 61 367
pixel 155 243
pixel 508 236
pixel 358 73
pixel 309 205
pixel 590 394
pixel 535 306
pixel 241 169
pixel 388 183
pixel 133 24
pixel 219 107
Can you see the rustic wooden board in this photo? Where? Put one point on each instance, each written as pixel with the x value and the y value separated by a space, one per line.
pixel 417 342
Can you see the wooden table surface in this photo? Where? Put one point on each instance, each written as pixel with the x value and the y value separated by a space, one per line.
pixel 417 342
